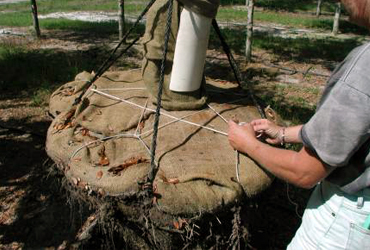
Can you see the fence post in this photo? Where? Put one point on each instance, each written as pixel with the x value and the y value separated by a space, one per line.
pixel 337 18
pixel 121 18
pixel 249 39
pixel 35 18
pixel 318 8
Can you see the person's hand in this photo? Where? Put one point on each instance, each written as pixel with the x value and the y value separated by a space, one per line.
pixel 269 129
pixel 240 135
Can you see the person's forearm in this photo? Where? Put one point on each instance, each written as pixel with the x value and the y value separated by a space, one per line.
pixel 299 168
pixel 291 134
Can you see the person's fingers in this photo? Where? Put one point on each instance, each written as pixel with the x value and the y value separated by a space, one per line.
pixel 269 140
pixel 272 141
pixel 258 121
pixel 231 124
pixel 260 127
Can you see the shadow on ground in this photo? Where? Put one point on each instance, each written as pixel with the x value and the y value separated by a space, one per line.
pixel 35 212
pixel 302 49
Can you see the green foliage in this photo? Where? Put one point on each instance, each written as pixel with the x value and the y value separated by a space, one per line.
pixel 20 13
pixel 296 5
pixel 286 5
pixel 298 49
pixel 294 109
pixel 16 19
pixel 40 97
pixel 306 49
pixel 22 68
pixel 90 28
pixel 290 20
pixel 49 6
pixel 40 71
pixel 102 28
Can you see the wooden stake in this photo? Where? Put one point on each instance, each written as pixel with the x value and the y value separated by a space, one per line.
pixel 121 18
pixel 35 18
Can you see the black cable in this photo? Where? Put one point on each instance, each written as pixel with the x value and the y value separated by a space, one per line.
pixel 235 68
pixel 154 168
pixel 101 70
pixel 109 61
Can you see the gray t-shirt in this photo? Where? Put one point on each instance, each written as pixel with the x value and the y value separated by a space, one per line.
pixel 339 132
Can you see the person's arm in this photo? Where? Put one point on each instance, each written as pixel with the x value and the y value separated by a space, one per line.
pixel 302 168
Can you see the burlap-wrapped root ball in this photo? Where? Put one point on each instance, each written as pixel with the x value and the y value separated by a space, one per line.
pixel 102 147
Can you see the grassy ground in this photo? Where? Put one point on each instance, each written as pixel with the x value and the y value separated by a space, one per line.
pixel 40 75
pixel 269 11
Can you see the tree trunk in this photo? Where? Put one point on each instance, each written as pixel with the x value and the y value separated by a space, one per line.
pixel 318 9
pixel 246 3
pixel 121 18
pixel 336 18
pixel 249 39
pixel 35 18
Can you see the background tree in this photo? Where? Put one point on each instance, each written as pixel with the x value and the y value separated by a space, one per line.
pixel 35 18
pixel 337 18
pixel 121 18
pixel 318 8
pixel 249 39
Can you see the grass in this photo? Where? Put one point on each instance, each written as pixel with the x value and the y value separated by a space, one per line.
pixel 286 5
pixel 20 15
pixel 295 109
pixel 22 68
pixel 49 6
pixel 302 49
pixel 41 71
pixel 102 28
pixel 288 19
pixel 16 19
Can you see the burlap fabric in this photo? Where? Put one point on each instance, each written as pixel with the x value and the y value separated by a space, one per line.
pixel 207 8
pixel 94 146
pixel 153 44
pixel 63 98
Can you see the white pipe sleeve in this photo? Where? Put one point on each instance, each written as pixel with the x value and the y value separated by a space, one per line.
pixel 190 52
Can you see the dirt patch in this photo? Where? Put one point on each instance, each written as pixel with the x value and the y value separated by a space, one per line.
pixel 32 210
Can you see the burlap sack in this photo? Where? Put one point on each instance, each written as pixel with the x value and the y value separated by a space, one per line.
pixel 153 44
pixel 97 150
pixel 207 8
pixel 63 98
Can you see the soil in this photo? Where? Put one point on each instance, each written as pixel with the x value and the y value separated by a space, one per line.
pixel 35 213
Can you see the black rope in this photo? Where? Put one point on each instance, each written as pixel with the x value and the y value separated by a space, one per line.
pixel 235 68
pixel 110 60
pixel 110 63
pixel 153 167
pixel 103 66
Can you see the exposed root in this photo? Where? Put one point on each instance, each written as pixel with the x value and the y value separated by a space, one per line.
pixel 132 221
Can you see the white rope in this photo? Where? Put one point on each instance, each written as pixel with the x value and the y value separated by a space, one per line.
pixel 146 146
pixel 209 106
pixel 100 140
pixel 144 108
pixel 107 138
pixel 237 166
pixel 173 121
pixel 122 89
pixel 163 113
pixel 135 135
pixel 141 118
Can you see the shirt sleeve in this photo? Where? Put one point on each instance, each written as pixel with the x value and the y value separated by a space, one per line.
pixel 340 126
